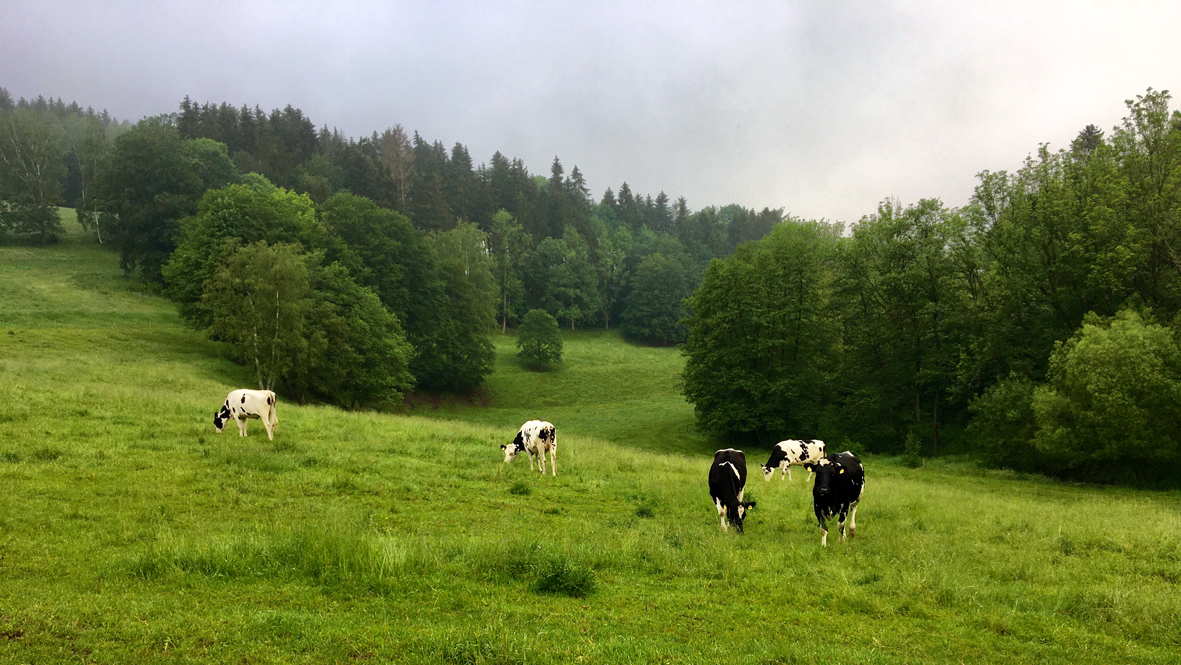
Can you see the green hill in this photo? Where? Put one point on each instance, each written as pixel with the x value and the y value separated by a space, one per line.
pixel 130 532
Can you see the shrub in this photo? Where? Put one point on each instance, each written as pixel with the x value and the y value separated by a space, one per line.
pixel 539 342
pixel 1112 400
pixel 1003 425
pixel 912 450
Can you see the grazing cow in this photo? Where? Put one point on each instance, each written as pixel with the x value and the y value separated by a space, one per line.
pixel 840 481
pixel 243 404
pixel 536 437
pixel 793 452
pixel 727 483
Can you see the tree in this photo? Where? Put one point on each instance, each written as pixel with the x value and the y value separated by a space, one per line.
pixel 93 150
pixel 561 279
pixel 760 349
pixel 465 269
pixel 152 181
pixel 539 341
pixel 509 245
pixel 398 156
pixel 357 354
pixel 1112 402
pixel 247 213
pixel 609 258
pixel 653 310
pixel 259 298
pixel 31 170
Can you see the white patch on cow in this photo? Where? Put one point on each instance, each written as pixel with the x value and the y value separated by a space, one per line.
pixel 252 404
pixel 824 537
pixel 734 469
pixel 537 438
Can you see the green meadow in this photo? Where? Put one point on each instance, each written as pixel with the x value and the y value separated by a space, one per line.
pixel 131 533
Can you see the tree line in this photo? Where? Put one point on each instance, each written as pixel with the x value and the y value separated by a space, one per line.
pixel 1037 327
pixel 355 269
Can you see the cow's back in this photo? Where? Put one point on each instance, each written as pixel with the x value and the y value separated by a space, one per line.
pixel 728 470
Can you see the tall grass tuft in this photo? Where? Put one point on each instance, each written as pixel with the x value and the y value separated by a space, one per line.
pixel 559 575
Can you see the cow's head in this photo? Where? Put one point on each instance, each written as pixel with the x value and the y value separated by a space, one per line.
pixel 220 419
pixel 735 514
pixel 511 450
pixel 768 472
pixel 825 472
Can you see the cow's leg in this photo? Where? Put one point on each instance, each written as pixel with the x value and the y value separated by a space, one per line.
pixel 541 461
pixel 721 513
pixel 553 461
pixel 841 524
pixel 241 427
pixel 823 528
pixel 787 471
pixel 853 519
pixel 269 426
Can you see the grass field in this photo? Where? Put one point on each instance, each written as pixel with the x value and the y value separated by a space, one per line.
pixel 130 533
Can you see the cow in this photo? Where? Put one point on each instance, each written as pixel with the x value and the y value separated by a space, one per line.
pixel 243 404
pixel 536 437
pixel 793 452
pixel 727 483
pixel 840 481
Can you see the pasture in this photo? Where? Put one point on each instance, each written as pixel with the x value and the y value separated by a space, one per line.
pixel 130 532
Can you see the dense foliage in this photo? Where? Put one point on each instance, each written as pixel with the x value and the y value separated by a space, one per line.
pixel 539 341
pixel 1035 327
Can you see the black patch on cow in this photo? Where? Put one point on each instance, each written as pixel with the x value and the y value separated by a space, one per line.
pixel 835 492
pixel 270 401
pixel 221 417
pixel 725 487
pixel 777 457
pixel 243 398
pixel 519 442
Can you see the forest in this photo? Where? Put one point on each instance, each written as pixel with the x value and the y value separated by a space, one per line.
pixel 1034 328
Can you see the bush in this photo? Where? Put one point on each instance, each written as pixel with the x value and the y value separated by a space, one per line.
pixel 1112 401
pixel 912 451
pixel 539 342
pixel 1003 425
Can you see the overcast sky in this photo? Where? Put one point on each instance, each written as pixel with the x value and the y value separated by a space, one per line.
pixel 820 108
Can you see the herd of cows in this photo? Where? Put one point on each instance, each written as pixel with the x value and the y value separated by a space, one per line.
pixel 840 478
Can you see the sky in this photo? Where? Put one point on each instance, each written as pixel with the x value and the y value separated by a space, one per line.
pixel 821 108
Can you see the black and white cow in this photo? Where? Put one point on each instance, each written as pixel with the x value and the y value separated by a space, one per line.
pixel 793 452
pixel 840 481
pixel 243 404
pixel 536 437
pixel 727 484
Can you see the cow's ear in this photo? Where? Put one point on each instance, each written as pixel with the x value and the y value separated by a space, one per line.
pixel 502 447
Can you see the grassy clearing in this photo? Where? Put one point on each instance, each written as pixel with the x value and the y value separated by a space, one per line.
pixel 129 532
pixel 607 388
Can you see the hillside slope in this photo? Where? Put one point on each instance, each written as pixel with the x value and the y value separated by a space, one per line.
pixel 129 532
